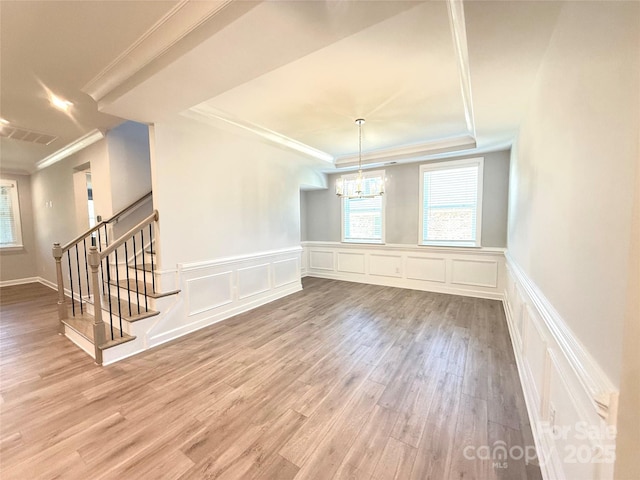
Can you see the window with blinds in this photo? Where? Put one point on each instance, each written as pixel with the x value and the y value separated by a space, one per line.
pixel 10 231
pixel 363 218
pixel 451 197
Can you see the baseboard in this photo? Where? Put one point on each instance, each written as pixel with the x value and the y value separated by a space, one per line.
pixel 19 281
pixel 473 272
pixel 566 392
pixel 49 284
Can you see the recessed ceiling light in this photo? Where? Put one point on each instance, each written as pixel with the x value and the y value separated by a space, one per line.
pixel 3 121
pixel 60 103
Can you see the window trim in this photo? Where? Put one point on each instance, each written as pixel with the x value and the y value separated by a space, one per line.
pixel 15 205
pixel 352 176
pixel 446 165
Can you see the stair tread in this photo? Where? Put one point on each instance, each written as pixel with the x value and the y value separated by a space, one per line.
pixel 83 325
pixel 131 286
pixel 146 267
pixel 124 308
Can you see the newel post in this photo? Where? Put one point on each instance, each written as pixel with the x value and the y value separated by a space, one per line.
pixel 98 327
pixel 62 307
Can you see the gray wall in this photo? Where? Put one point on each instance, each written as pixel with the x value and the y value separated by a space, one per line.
pixel 54 202
pixel 22 263
pixel 303 217
pixel 322 207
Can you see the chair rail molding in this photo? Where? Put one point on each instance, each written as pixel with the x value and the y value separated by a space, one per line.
pixel 566 391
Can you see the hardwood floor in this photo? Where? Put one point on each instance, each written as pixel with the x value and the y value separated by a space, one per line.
pixel 339 381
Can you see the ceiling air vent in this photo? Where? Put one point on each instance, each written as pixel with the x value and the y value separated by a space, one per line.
pixel 15 133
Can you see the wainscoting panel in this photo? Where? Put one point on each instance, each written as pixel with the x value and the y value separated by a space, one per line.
pixel 253 280
pixel 385 265
pixel 206 293
pixel 320 260
pixel 214 290
pixel 535 343
pixel 572 404
pixel 428 269
pixel 481 273
pixel 285 272
pixel 350 262
pixel 478 272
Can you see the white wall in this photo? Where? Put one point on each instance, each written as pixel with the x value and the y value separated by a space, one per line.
pixel 572 173
pixel 572 286
pixel 19 264
pixel 222 195
pixel 323 207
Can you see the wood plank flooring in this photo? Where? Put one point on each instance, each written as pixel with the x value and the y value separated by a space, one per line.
pixel 339 381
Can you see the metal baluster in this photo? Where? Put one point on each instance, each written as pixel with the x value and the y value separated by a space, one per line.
pixel 86 265
pixel 144 271
pixel 153 273
pixel 79 279
pixel 100 249
pixel 118 284
pixel 135 267
pixel 109 294
pixel 106 237
pixel 126 261
pixel 73 305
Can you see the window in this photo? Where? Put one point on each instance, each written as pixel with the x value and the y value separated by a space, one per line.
pixel 363 218
pixel 451 203
pixel 10 229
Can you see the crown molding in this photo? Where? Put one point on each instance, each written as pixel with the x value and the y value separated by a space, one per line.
pixel 80 143
pixel 459 34
pixel 185 17
pixel 415 152
pixel 213 116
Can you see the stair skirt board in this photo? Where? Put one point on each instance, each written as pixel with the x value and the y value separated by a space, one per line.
pixel 80 340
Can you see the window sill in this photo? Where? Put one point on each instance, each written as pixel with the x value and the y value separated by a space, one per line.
pixel 361 242
pixel 11 248
pixel 450 244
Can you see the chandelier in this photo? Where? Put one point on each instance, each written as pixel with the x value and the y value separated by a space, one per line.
pixel 359 185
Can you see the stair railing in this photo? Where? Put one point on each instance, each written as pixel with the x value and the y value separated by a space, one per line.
pixel 123 307
pixel 77 253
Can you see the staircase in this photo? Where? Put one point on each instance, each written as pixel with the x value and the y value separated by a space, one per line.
pixel 112 285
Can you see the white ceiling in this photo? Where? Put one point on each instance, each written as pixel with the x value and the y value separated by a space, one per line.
pixel 301 71
pixel 59 46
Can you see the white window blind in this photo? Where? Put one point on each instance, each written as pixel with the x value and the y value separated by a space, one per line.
pixel 451 195
pixel 10 234
pixel 363 217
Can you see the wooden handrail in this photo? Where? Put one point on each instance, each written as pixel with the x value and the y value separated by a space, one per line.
pixel 123 238
pixel 121 212
pixel 80 237
pixel 95 228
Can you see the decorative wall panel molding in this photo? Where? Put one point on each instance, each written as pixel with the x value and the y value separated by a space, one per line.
pixel 475 272
pixel 350 262
pixel 566 391
pixel 207 293
pixel 212 291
